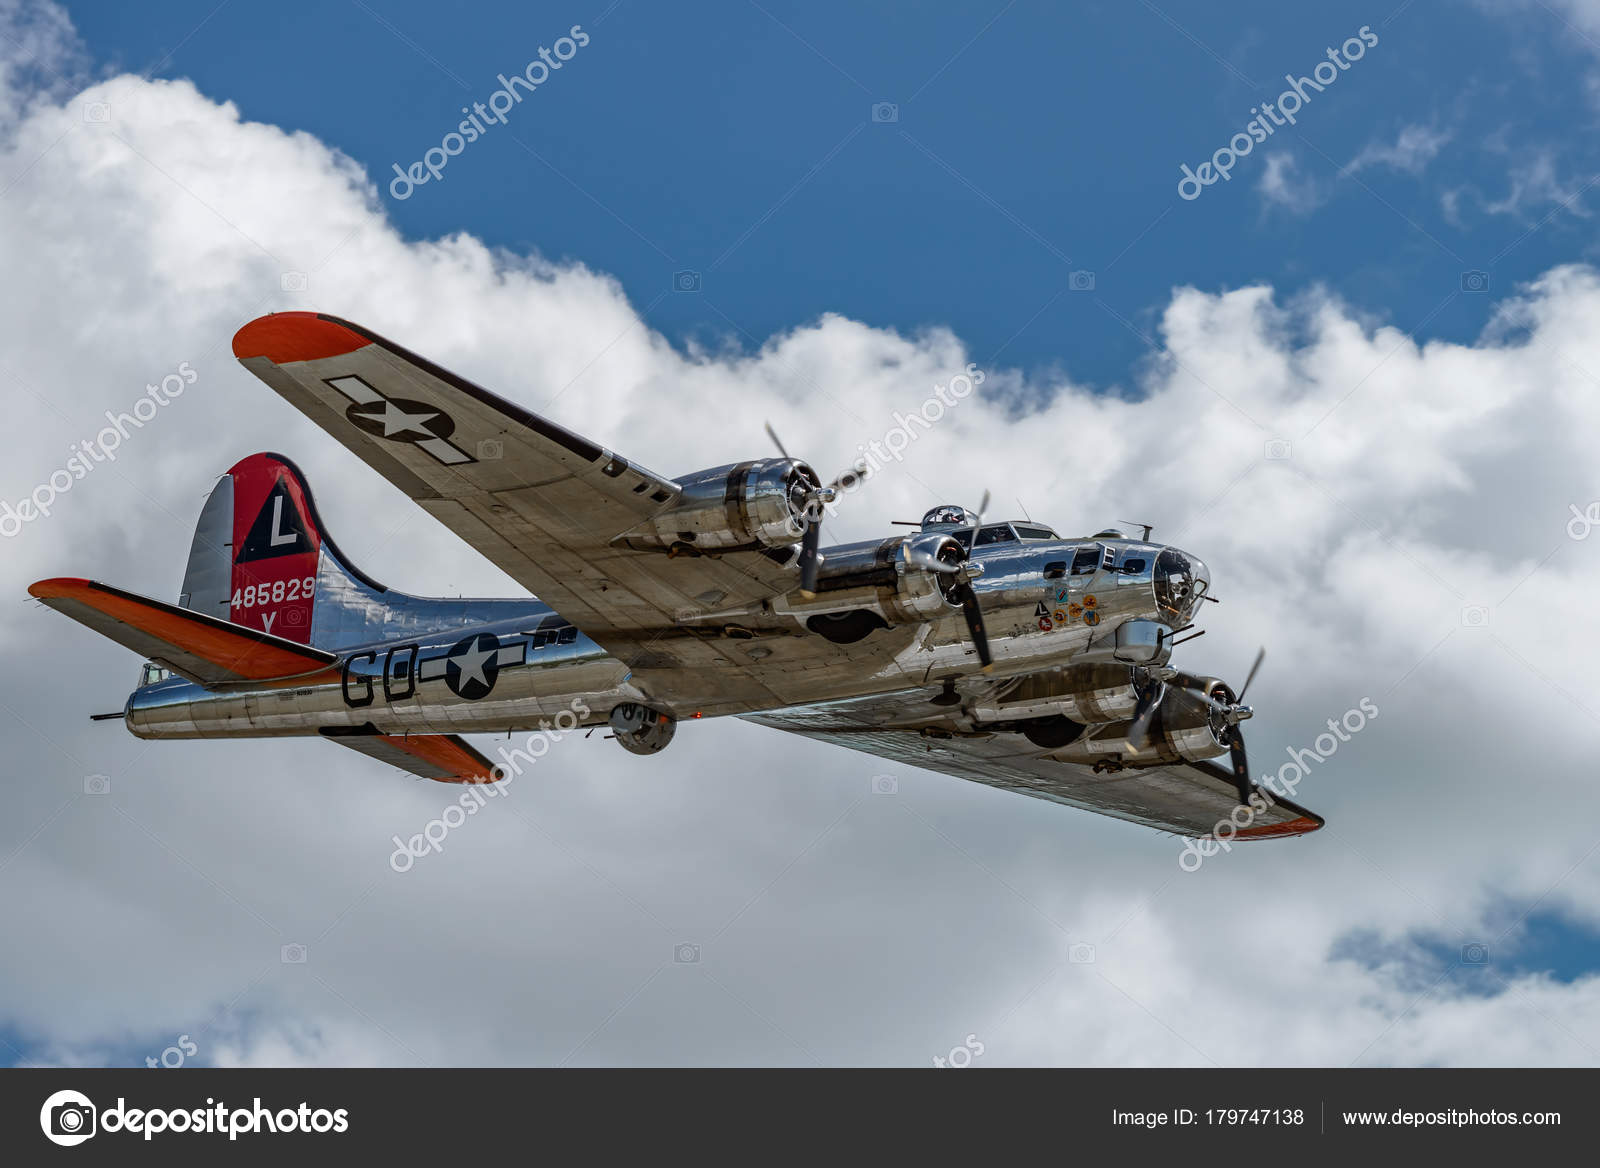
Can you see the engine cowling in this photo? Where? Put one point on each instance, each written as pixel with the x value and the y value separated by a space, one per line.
pixel 866 586
pixel 1084 693
pixel 746 505
pixel 1185 728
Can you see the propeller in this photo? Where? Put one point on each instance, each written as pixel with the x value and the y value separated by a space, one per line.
pixel 1229 714
pixel 811 500
pixel 1150 691
pixel 1232 713
pixel 961 590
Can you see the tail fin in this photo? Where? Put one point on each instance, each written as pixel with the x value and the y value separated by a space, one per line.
pixel 262 559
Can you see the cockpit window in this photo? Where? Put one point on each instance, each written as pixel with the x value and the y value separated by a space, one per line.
pixel 1030 531
pixel 995 533
pixel 150 673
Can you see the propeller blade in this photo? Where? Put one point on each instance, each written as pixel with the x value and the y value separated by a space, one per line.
pixel 1150 696
pixel 1251 676
pixel 1241 764
pixel 776 441
pixel 847 480
pixel 810 558
pixel 974 614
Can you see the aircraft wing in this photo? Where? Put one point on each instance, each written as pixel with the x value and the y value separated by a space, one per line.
pixel 1176 798
pixel 539 501
pixel 444 758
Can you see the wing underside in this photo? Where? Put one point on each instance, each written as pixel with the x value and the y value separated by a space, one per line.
pixel 1175 798
pixel 444 758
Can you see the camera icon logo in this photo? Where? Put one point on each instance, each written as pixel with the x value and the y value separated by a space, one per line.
pixel 1081 954
pixel 491 450
pixel 96 112
pixel 1476 953
pixel 293 281
pixel 686 281
pixel 885 785
pixel 1474 616
pixel 67 1118
pixel 292 955
pixel 1080 281
pixel 885 112
pixel 97 785
pixel 1474 281
pixel 1277 449
pixel 686 954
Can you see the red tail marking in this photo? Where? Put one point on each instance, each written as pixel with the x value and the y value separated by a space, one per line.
pixel 276 550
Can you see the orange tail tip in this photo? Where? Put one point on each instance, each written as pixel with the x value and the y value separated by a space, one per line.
pixel 282 337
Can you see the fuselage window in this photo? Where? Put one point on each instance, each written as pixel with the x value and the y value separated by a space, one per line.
pixel 1086 560
pixel 1133 567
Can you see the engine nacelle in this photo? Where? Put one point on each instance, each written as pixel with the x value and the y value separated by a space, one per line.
pixel 1084 693
pixel 867 586
pixel 747 505
pixel 1184 728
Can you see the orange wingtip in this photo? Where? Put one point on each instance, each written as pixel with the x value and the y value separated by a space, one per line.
pixel 59 586
pixel 1274 830
pixel 282 337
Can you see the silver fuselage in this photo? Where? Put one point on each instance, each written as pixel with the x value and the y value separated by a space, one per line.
pixel 436 670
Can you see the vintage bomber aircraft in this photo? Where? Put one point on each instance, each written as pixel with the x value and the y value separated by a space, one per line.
pixel 997 652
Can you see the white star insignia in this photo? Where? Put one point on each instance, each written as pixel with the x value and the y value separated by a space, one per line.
pixel 471 663
pixel 397 421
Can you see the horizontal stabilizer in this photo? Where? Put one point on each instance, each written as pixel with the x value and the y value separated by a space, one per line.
pixel 204 649
pixel 445 758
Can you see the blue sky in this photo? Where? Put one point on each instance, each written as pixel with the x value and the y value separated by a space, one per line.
pixel 1033 140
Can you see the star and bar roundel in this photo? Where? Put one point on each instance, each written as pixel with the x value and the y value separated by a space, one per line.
pixel 396 419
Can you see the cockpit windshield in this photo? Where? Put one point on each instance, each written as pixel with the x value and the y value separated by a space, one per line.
pixel 150 673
